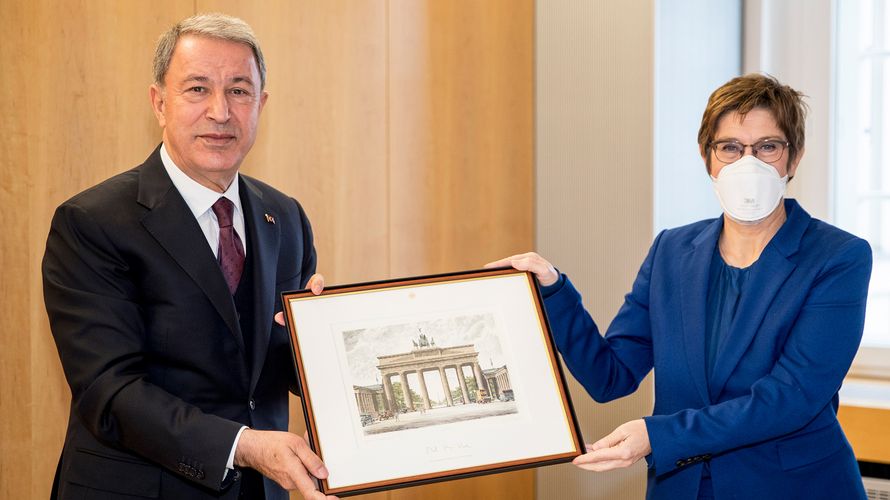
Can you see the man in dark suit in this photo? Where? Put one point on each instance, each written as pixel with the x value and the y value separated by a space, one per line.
pixel 161 284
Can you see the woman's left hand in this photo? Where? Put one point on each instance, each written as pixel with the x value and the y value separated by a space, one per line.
pixel 624 447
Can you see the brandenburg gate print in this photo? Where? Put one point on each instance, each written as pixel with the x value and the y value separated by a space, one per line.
pixel 425 357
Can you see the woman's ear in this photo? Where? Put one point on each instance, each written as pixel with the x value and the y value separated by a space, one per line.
pixel 792 165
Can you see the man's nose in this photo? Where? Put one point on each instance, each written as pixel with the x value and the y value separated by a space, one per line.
pixel 218 107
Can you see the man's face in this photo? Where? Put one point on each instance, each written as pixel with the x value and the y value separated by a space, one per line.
pixel 209 107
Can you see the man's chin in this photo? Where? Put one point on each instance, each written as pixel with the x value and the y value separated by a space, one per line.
pixel 218 163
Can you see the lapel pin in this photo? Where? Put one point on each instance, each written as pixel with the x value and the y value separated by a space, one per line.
pixel 270 219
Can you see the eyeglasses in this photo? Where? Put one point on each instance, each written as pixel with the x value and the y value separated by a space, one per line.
pixel 767 150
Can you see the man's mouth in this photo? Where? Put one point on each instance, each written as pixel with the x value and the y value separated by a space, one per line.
pixel 214 139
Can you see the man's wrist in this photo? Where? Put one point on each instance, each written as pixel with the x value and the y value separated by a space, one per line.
pixel 230 463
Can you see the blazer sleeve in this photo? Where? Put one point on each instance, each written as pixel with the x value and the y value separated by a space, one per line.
pixel 101 338
pixel 308 268
pixel 310 258
pixel 608 367
pixel 808 373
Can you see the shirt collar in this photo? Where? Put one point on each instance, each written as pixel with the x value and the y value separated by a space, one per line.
pixel 198 198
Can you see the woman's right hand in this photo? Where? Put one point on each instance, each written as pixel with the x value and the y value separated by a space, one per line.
pixel 543 270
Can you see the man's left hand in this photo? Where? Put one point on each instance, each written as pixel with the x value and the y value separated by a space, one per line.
pixel 624 447
pixel 315 283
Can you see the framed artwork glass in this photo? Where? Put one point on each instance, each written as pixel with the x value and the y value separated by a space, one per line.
pixel 431 378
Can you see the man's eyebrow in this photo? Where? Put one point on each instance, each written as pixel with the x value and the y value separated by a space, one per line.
pixel 196 78
pixel 204 79
pixel 242 78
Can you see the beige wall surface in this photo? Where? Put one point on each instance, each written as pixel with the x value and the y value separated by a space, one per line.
pixel 594 190
pixel 404 127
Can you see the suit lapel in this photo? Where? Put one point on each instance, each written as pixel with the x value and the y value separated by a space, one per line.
pixel 264 235
pixel 173 225
pixel 696 265
pixel 764 283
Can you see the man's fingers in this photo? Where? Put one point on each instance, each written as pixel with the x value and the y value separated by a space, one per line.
pixel 310 460
pixel 316 284
pixel 305 484
pixel 279 318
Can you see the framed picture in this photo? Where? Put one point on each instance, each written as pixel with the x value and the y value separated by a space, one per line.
pixel 431 378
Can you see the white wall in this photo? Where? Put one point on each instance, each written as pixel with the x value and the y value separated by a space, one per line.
pixel 697 49
pixel 791 40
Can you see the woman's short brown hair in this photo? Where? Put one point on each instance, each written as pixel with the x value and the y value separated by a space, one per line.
pixel 744 93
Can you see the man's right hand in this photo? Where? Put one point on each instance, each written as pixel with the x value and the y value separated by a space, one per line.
pixel 543 270
pixel 284 458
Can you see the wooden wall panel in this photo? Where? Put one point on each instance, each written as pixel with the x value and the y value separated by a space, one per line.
pixel 323 132
pixel 461 155
pixel 461 146
pixel 75 108
pixel 868 431
pixel 397 179
pixel 15 342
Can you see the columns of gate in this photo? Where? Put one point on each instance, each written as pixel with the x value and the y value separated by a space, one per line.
pixel 480 379
pixel 389 400
pixel 423 394
pixel 445 386
pixel 406 392
pixel 463 384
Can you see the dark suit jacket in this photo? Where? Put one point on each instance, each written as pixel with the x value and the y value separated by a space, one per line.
pixel 765 422
pixel 150 340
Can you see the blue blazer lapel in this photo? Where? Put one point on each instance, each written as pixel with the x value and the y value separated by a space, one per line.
pixel 264 235
pixel 766 279
pixel 695 265
pixel 173 225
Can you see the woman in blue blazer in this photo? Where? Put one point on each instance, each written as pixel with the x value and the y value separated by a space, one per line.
pixel 750 321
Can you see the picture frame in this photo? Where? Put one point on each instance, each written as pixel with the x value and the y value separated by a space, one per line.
pixel 485 389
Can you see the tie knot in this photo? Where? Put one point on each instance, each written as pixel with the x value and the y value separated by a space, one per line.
pixel 223 208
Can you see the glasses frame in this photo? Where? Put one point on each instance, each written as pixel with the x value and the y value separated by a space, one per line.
pixel 754 149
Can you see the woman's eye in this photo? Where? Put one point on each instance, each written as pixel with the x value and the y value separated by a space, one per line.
pixel 730 148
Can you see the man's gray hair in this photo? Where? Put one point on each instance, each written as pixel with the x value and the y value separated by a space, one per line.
pixel 212 25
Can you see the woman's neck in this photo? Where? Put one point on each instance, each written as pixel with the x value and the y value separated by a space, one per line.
pixel 741 244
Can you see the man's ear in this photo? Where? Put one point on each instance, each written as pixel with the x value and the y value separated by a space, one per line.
pixel 156 95
pixel 264 96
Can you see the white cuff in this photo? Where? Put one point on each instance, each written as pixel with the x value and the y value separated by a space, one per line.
pixel 230 463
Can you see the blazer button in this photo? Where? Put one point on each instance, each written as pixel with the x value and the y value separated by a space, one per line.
pixel 252 404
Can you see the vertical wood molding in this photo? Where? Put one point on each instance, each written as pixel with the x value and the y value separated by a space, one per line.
pixel 461 121
pixel 594 173
pixel 15 364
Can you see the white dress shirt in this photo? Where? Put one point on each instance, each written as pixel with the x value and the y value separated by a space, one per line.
pixel 200 200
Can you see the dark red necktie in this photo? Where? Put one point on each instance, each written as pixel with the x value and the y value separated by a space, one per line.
pixel 231 251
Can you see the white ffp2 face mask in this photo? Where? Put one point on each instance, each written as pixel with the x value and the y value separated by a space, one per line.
pixel 749 189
